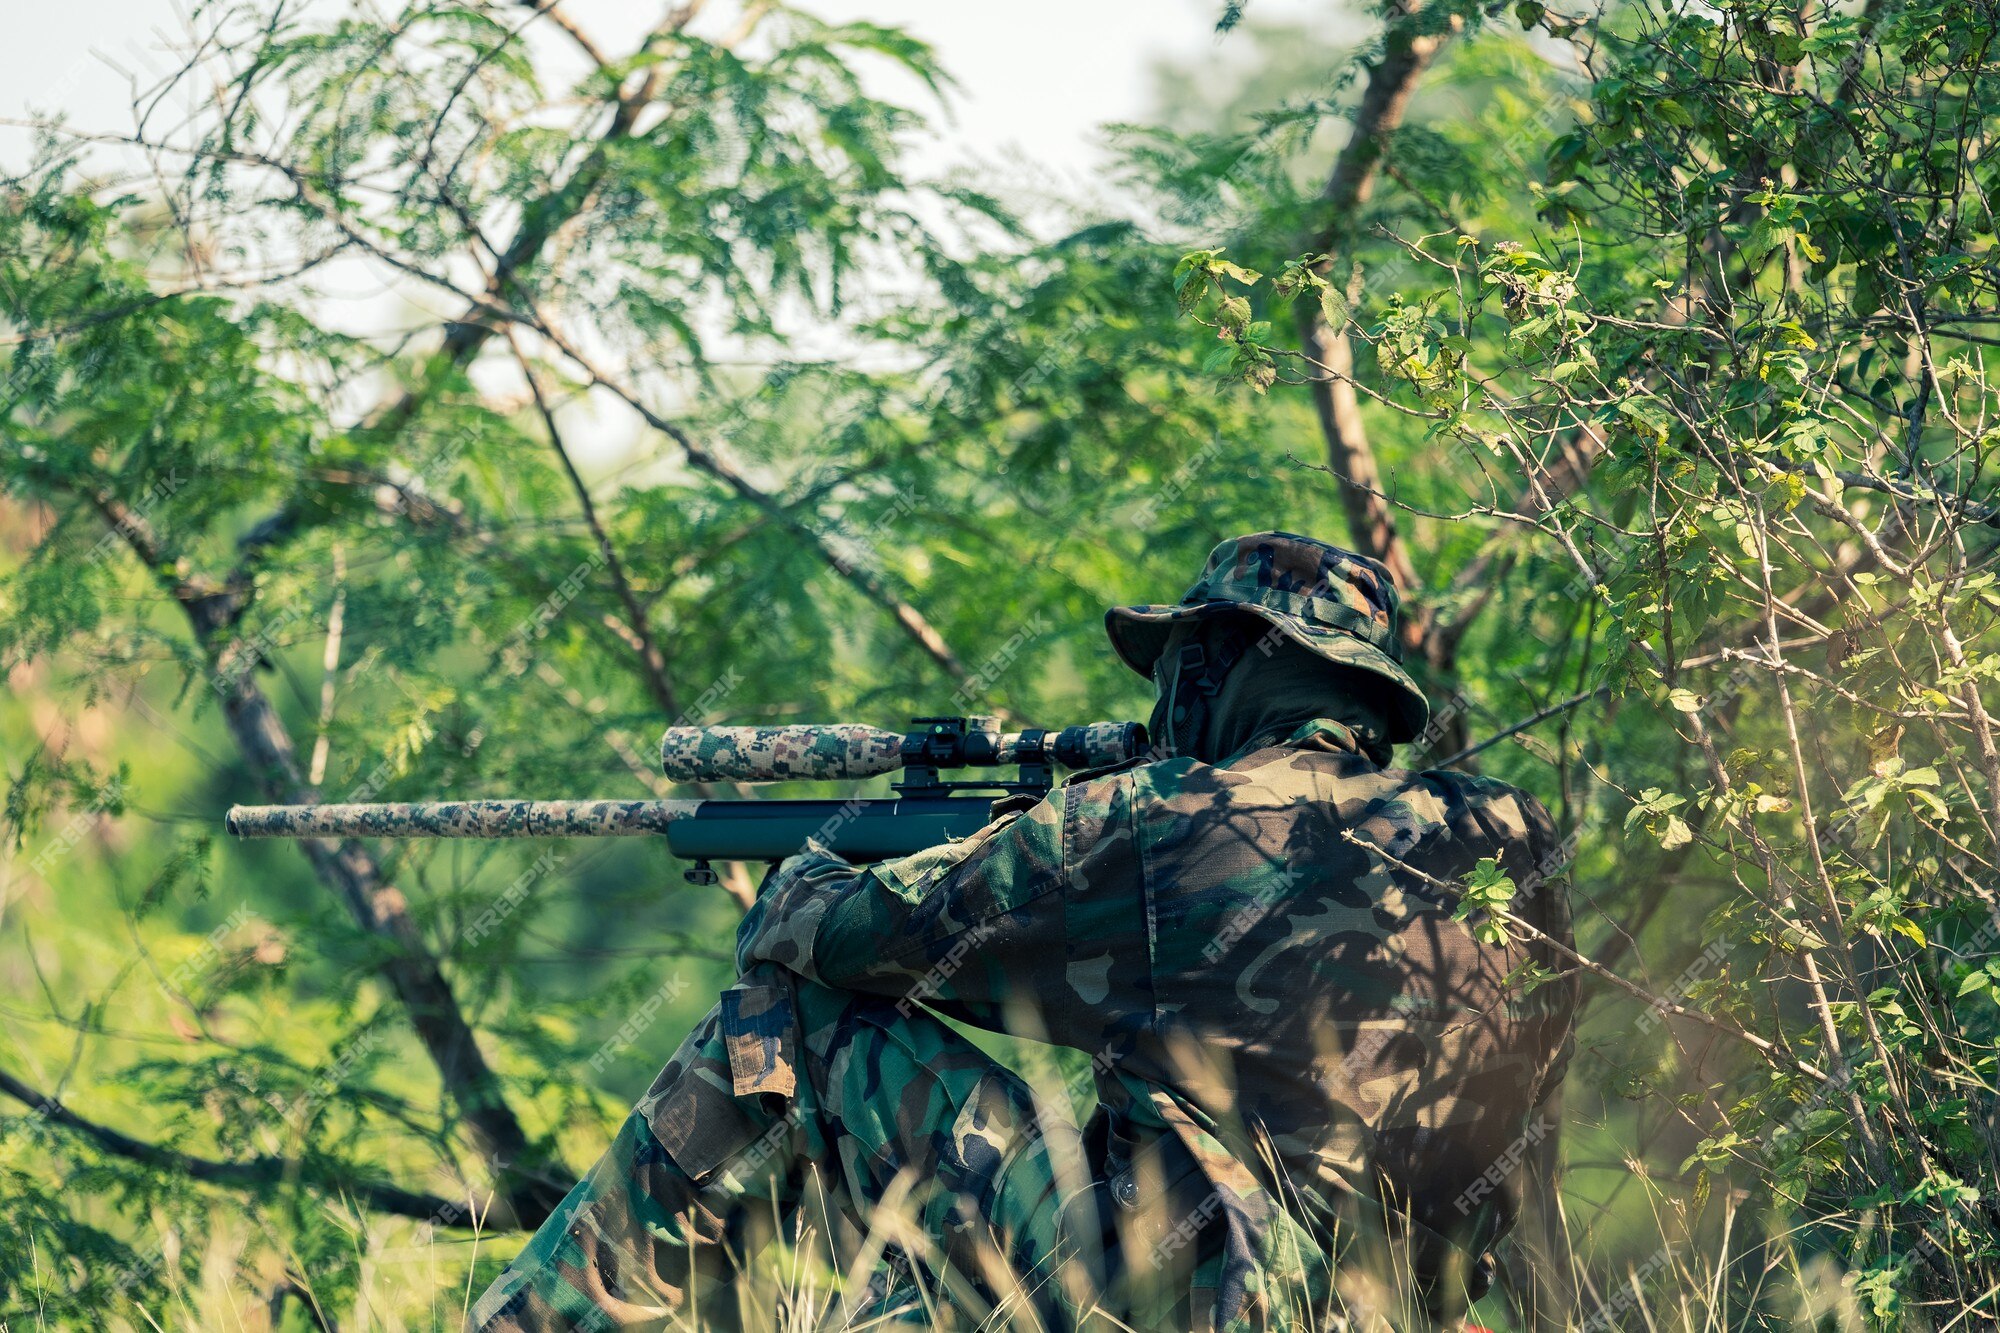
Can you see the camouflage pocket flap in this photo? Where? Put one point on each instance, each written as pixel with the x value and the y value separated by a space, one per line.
pixel 758 1024
pixel 701 1127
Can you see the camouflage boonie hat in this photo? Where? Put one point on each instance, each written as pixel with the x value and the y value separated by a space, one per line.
pixel 1336 604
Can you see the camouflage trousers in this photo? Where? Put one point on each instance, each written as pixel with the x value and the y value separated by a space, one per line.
pixel 883 1111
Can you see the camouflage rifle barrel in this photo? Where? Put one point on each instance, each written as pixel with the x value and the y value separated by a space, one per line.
pixel 461 819
pixel 849 751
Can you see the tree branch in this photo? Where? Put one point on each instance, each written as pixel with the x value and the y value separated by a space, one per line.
pixel 465 337
pixel 652 662
pixel 706 460
pixel 1770 1050
pixel 1392 80
pixel 351 873
pixel 257 1173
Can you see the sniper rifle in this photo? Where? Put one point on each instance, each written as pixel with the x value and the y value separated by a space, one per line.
pixel 924 811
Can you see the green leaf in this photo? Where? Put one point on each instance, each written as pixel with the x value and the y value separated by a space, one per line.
pixel 1333 307
pixel 1189 288
pixel 1671 111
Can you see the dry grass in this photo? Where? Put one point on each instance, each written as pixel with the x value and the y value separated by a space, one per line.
pixel 407 1280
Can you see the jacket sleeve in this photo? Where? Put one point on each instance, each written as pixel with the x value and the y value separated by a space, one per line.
pixel 955 922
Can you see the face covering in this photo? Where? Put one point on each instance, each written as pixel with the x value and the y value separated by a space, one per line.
pixel 1270 684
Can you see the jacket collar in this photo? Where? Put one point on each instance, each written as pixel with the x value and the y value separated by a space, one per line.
pixel 1319 733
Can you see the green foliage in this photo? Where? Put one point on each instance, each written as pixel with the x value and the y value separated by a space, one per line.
pixel 1755 322
pixel 1488 894
pixel 206 468
pixel 1672 373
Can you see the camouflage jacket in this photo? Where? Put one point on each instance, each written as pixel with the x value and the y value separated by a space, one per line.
pixel 1261 958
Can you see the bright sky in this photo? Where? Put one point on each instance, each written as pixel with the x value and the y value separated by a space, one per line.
pixel 1036 82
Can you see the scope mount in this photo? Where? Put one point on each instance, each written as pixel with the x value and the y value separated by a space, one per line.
pixel 923 811
pixel 939 743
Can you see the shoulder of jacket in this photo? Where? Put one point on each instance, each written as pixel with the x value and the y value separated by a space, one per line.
pixel 1506 808
pixel 1083 775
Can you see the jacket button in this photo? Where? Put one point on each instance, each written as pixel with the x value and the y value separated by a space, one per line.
pixel 1125 1189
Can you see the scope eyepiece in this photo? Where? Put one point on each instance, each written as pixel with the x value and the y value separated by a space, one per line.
pixel 1096 744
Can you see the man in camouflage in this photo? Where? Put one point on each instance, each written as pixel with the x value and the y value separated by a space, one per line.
pixel 1309 1074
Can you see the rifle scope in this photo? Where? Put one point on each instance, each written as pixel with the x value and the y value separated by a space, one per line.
pixel 850 751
